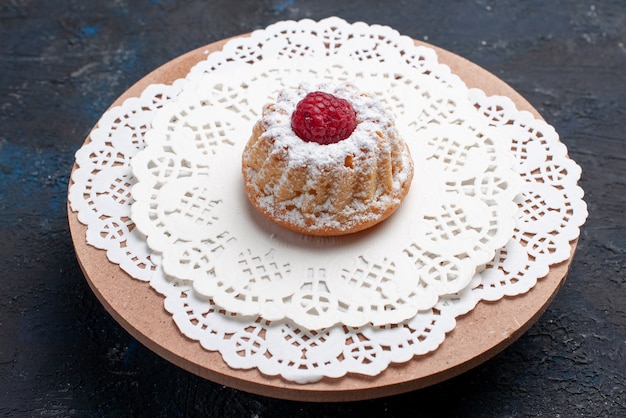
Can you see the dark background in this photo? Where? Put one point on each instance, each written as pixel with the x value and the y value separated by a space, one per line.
pixel 64 62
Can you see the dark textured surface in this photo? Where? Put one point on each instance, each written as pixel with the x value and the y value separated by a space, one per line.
pixel 64 62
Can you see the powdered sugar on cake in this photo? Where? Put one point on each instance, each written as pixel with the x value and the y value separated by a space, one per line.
pixel 375 140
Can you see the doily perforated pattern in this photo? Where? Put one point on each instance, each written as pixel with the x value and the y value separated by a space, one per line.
pixel 550 211
pixel 190 206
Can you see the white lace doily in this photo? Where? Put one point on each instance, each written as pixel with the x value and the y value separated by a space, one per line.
pixel 550 212
pixel 190 203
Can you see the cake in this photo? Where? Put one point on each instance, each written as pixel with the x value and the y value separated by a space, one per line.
pixel 326 160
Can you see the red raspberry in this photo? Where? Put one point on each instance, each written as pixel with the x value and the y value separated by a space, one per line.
pixel 323 118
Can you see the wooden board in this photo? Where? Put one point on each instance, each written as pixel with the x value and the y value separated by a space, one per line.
pixel 478 336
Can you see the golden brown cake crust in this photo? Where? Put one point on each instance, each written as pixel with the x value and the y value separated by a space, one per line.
pixel 330 189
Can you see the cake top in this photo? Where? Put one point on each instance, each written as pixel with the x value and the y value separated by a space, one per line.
pixel 372 121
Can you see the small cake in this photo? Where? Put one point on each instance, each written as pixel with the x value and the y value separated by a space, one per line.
pixel 326 160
